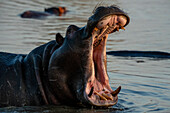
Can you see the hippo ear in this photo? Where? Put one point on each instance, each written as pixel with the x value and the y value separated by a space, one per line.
pixel 59 38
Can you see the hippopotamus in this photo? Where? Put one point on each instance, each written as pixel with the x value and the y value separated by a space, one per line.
pixel 58 11
pixel 66 71
pixel 34 14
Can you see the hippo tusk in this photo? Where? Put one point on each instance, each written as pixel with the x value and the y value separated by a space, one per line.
pixel 107 97
pixel 102 97
pixel 96 29
pixel 114 93
pixel 100 36
pixel 91 92
pixel 122 28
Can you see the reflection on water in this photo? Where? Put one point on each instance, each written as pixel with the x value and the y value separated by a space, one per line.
pixel 145 82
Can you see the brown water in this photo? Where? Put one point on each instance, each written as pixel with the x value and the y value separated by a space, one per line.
pixel 145 85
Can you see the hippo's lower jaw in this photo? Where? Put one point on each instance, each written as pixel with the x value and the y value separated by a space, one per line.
pixel 98 90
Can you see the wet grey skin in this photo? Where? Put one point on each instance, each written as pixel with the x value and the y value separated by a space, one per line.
pixel 66 71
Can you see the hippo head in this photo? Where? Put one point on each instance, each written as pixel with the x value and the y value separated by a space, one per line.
pixel 77 71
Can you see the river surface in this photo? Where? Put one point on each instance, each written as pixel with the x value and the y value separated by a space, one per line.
pixel 145 81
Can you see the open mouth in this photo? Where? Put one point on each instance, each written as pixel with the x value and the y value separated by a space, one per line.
pixel 98 90
pixel 106 26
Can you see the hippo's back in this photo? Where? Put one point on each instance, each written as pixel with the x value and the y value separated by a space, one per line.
pixel 10 78
pixel 8 61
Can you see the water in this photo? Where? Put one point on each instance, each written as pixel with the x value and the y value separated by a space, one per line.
pixel 145 81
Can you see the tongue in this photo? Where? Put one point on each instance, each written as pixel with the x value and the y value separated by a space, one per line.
pixel 100 68
pixel 99 57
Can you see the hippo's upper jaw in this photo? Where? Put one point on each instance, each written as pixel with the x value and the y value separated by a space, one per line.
pixel 78 69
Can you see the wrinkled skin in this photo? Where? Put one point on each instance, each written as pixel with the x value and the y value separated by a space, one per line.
pixel 70 71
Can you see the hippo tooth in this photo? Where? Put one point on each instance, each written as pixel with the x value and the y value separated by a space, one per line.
pixel 122 28
pixel 106 96
pixel 91 92
pixel 102 97
pixel 117 29
pixel 96 29
pixel 101 34
pixel 114 93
